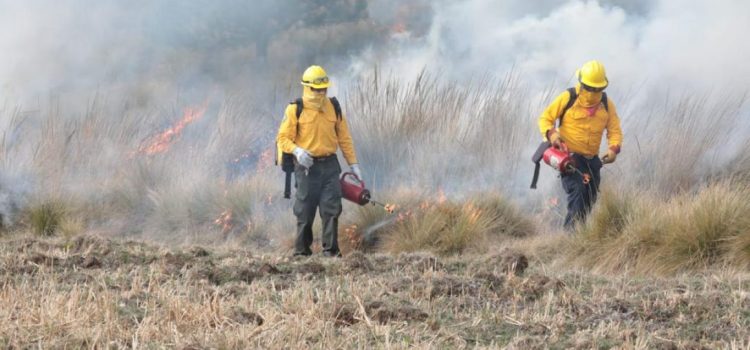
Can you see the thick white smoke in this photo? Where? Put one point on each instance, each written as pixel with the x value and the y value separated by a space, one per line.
pixel 668 44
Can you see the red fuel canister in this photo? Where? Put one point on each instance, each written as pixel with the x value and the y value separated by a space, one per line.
pixel 353 189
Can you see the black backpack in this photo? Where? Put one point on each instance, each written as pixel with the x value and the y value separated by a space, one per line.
pixel 287 159
pixel 537 157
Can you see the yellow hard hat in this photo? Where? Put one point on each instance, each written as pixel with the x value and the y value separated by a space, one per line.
pixel 593 74
pixel 315 77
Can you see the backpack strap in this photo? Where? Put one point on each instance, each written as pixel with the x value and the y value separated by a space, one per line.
pixel 299 104
pixel 334 102
pixel 571 100
pixel 573 96
pixel 336 107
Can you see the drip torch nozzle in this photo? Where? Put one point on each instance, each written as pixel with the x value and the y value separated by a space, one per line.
pixel 586 177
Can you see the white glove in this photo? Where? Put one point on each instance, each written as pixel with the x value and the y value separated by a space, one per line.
pixel 357 171
pixel 303 157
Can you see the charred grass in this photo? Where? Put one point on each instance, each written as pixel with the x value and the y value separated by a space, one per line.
pixel 87 291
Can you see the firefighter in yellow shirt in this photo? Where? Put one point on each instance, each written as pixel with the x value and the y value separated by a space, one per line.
pixel 313 129
pixel 584 113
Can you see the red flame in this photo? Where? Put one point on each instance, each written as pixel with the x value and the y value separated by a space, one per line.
pixel 160 143
pixel 225 221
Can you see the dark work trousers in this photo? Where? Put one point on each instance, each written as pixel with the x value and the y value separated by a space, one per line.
pixel 581 197
pixel 318 188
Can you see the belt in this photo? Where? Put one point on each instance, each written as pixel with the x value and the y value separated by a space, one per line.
pixel 324 158
pixel 584 156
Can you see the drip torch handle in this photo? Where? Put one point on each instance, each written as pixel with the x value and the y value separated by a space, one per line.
pixel 351 174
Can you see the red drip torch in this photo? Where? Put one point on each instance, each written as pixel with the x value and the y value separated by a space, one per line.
pixel 355 190
pixel 562 160
pixel 559 159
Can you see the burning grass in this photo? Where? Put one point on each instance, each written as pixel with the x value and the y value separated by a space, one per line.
pixel 440 225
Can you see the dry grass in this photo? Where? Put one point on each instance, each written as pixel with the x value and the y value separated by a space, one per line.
pixel 92 292
pixel 439 225
pixel 645 234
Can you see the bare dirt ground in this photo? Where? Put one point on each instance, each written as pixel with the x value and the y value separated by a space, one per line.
pixel 93 292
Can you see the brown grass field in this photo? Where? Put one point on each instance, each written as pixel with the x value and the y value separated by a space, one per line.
pixel 89 292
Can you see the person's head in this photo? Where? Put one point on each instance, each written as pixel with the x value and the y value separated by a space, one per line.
pixel 593 77
pixel 316 79
pixel 315 84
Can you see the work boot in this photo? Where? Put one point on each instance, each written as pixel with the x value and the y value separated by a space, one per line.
pixel 331 254
pixel 301 254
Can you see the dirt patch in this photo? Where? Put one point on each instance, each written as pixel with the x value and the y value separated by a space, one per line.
pixel 220 275
pixel 282 283
pixel 310 268
pixel 86 244
pixel 171 263
pixel 268 269
pixel 402 284
pixel 419 261
pixel 242 316
pixel 234 289
pixel 535 286
pixel 79 278
pixel 493 281
pixel 41 259
pixel 357 261
pixel 619 306
pixel 451 286
pixel 447 286
pixel 198 252
pixel 91 262
pixel 131 307
pixel 507 261
pixel 344 315
pixel 26 244
pixel 244 274
pixel 385 313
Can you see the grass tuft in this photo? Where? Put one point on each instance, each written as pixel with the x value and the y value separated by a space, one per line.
pixel 46 218
pixel 645 234
pixel 442 226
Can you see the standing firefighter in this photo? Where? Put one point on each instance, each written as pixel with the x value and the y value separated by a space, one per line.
pixel 584 112
pixel 312 130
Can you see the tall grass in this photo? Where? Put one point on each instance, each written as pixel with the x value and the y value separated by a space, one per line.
pixel 425 135
pixel 442 226
pixel 411 133
pixel 644 234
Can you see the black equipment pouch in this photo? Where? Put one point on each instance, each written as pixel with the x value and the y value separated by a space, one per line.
pixel 537 158
pixel 287 165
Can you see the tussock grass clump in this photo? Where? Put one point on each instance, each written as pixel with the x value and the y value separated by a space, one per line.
pixel 444 226
pixel 645 234
pixel 45 218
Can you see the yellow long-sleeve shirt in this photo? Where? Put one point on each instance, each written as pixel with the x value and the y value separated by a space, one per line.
pixel 583 127
pixel 320 132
